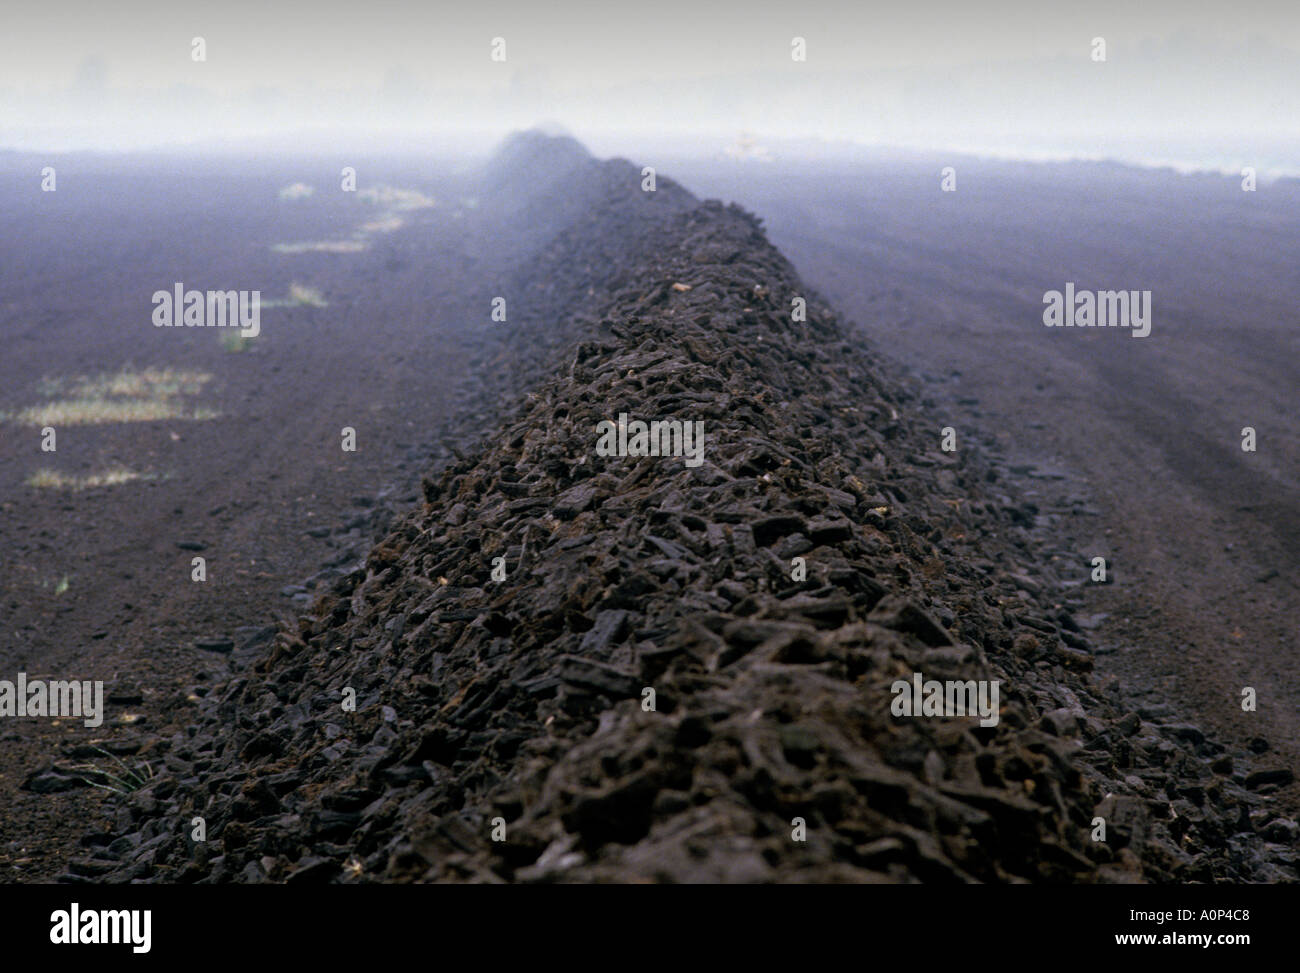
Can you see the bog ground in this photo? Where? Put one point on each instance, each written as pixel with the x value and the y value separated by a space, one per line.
pixel 174 444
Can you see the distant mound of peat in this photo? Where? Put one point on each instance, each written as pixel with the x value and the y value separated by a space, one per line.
pixel 573 666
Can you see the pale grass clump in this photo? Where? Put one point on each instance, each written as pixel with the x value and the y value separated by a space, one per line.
pixel 128 383
pixel 310 296
pixel 386 225
pixel 300 295
pixel 390 200
pixel 321 246
pixel 101 411
pixel 397 200
pixel 298 190
pixel 129 395
pixel 234 341
pixel 47 479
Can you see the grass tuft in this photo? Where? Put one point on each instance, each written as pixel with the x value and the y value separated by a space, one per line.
pixel 124 396
pixel 47 479
pixel 121 779
pixel 298 190
pixel 396 200
pixel 321 246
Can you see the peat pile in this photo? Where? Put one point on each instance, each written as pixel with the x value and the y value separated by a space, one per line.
pixel 502 728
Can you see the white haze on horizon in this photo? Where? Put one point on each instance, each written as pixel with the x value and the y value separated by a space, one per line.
pixel 1196 85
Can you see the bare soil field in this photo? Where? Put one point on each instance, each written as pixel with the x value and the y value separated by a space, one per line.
pixel 97 538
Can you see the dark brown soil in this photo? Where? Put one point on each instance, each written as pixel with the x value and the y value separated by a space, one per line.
pixel 249 486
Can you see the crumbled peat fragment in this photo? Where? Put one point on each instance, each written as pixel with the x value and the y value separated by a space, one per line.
pixel 572 667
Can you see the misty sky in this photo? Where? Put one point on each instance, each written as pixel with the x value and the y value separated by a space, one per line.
pixel 1016 75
